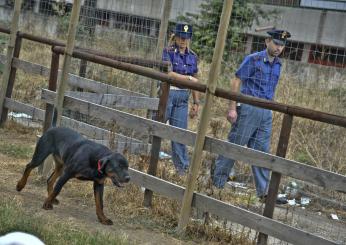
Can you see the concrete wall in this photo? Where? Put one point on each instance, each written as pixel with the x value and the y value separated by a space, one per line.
pixel 315 75
pixel 31 22
pixel 149 8
pixel 308 25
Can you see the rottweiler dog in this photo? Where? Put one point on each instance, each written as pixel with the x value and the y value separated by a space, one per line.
pixel 77 157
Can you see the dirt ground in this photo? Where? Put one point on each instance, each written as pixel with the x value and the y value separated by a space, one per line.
pixel 73 208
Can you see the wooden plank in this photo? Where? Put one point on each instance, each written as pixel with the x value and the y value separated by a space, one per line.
pixel 130 147
pixel 99 87
pixel 117 101
pixel 230 212
pixel 2 58
pixel 75 80
pixel 320 177
pixel 134 146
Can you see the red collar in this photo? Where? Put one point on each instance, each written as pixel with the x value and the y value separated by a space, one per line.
pixel 99 166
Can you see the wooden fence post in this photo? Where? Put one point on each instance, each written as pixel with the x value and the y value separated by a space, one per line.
pixel 58 105
pixel 12 77
pixel 156 141
pixel 43 169
pixel 9 55
pixel 275 176
pixel 202 127
pixel 53 79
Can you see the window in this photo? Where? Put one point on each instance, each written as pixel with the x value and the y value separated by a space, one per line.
pixel 329 56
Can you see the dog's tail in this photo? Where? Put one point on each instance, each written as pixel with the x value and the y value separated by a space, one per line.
pixel 55 118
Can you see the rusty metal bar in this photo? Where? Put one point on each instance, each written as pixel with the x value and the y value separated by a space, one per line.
pixel 161 65
pixel 222 93
pixel 276 177
pixel 5 30
pixel 12 78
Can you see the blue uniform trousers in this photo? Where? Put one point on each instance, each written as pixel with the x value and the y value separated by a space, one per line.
pixel 177 114
pixel 252 128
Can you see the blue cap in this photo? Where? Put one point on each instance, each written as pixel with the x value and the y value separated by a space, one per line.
pixel 183 30
pixel 279 36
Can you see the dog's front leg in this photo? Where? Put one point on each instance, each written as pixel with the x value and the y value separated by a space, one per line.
pixel 98 193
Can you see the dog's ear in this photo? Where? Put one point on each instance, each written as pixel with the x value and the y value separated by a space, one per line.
pixel 101 164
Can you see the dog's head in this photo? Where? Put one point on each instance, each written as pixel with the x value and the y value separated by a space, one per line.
pixel 115 166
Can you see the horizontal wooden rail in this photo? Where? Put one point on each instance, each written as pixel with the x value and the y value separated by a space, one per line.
pixel 320 177
pixel 100 135
pixel 117 101
pixel 292 110
pixel 230 212
pixel 74 80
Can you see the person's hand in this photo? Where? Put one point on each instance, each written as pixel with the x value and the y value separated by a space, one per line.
pixel 194 111
pixel 232 116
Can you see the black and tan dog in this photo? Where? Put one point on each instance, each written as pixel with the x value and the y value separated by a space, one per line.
pixel 77 157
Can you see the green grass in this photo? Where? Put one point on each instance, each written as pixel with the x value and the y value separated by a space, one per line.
pixel 13 218
pixel 16 151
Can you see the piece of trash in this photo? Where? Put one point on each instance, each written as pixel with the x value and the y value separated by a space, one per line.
pixel 19 115
pixel 282 195
pixel 304 201
pixel 319 213
pixel 142 189
pixel 292 202
pixel 292 190
pixel 334 217
pixel 235 184
pixel 164 155
pixel 303 207
pixel 281 199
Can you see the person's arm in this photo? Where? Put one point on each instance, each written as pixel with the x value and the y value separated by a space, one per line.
pixel 195 97
pixel 232 112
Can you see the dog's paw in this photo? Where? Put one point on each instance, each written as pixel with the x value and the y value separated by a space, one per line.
pixel 19 186
pixel 56 201
pixel 106 222
pixel 47 206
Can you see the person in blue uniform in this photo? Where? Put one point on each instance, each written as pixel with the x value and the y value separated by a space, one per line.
pixel 257 76
pixel 183 65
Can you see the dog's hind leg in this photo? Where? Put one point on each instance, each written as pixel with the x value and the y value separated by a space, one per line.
pixel 48 204
pixel 53 177
pixel 40 154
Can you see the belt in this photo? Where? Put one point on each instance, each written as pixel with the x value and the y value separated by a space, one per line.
pixel 176 88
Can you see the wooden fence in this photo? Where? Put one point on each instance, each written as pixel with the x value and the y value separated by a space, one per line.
pixel 320 177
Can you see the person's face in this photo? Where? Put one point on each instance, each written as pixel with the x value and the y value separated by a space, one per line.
pixel 273 48
pixel 182 42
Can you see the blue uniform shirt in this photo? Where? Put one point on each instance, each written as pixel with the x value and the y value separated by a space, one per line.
pixel 185 64
pixel 259 77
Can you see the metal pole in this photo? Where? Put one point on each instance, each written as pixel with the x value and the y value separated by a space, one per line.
pixel 276 177
pixel 12 78
pixel 202 128
pixel 9 55
pixel 67 60
pixel 156 141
